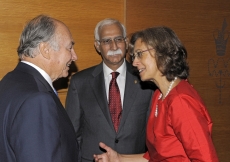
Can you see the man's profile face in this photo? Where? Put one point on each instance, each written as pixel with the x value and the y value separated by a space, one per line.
pixel 111 32
pixel 62 58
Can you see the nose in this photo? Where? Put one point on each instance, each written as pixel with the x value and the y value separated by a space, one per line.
pixel 135 62
pixel 74 55
pixel 113 45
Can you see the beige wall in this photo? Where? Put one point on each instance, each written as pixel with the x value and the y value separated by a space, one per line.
pixel 196 23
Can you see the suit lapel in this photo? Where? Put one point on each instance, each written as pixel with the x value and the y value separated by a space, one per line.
pixel 130 93
pixel 98 85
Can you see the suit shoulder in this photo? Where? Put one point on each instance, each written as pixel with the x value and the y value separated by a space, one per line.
pixel 84 73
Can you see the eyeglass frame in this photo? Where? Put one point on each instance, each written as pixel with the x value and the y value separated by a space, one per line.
pixel 138 54
pixel 108 41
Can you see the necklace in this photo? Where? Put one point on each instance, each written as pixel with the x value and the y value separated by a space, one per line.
pixel 169 89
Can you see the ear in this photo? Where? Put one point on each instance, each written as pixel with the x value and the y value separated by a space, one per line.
pixel 45 50
pixel 97 46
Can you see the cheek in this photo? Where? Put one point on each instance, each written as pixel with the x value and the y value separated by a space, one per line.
pixel 150 65
pixel 59 63
pixel 122 47
pixel 104 53
pixel 104 49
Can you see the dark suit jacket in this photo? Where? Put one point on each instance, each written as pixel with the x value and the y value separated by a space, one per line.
pixel 33 123
pixel 87 107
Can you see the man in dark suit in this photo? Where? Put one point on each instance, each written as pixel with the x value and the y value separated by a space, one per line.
pixel 88 98
pixel 34 125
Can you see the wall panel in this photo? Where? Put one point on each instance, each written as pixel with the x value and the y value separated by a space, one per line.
pixel 197 23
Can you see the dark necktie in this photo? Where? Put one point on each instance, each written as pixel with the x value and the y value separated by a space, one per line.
pixel 55 92
pixel 115 101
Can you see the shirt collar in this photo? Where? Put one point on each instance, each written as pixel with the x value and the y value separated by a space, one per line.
pixel 121 69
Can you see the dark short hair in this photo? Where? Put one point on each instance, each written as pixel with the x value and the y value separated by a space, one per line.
pixel 171 55
pixel 40 29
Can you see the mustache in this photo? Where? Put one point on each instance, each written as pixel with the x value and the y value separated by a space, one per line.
pixel 117 52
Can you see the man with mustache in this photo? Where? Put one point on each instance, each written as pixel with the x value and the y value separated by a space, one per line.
pixel 89 100
pixel 34 125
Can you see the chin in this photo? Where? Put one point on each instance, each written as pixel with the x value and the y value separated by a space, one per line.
pixel 144 78
pixel 63 75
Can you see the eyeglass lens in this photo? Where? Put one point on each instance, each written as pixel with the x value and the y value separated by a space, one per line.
pixel 109 40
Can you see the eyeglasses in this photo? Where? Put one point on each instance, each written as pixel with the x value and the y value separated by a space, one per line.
pixel 138 54
pixel 108 41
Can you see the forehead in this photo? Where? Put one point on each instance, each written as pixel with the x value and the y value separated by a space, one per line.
pixel 139 44
pixel 63 33
pixel 112 30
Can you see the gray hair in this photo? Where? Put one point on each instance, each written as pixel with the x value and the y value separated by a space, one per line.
pixel 40 29
pixel 108 21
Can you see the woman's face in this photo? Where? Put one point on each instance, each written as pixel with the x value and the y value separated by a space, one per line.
pixel 146 62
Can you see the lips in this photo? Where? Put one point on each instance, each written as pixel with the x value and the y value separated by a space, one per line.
pixel 69 63
pixel 140 70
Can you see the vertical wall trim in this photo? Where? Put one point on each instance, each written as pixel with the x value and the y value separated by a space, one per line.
pixel 125 13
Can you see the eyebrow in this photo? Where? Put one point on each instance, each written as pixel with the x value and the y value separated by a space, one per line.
pixel 113 37
pixel 137 50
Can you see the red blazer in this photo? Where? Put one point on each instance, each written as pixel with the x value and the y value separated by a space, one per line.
pixel 182 129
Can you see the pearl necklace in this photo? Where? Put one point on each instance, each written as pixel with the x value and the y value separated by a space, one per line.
pixel 169 89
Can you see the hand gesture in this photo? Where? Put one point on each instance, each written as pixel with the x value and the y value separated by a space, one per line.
pixel 109 156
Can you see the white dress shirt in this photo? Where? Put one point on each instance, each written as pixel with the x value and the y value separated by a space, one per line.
pixel 120 79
